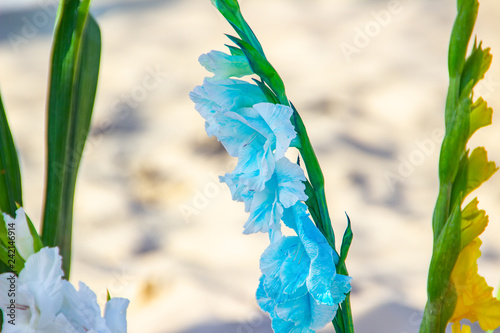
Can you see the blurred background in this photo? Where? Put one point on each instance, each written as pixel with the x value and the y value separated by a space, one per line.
pixel 153 224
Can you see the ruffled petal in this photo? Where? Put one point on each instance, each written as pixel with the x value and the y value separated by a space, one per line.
pixel 42 276
pixel 284 189
pixel 299 282
pixel 265 212
pixel 225 95
pixel 290 182
pixel 81 308
pixel 115 315
pixel 277 118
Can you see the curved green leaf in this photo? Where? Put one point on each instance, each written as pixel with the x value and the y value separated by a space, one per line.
pixel 73 83
pixel 346 242
pixel 10 181
pixel 10 175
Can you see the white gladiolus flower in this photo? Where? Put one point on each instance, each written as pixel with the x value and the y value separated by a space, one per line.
pixel 34 298
pixel 40 301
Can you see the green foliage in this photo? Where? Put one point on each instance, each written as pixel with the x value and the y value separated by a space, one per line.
pixel 73 82
pixel 460 35
pixel 475 66
pixel 263 69
pixel 10 175
pixel 10 188
pixel 346 242
pixel 230 9
pixel 459 172
pixel 37 241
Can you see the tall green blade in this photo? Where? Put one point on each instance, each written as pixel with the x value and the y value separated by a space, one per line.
pixel 73 83
pixel 10 176
pixel 10 181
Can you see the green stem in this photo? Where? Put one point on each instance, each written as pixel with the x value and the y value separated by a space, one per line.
pixel 343 320
pixel 315 175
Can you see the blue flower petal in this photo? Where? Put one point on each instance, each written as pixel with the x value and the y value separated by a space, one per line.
pixel 297 310
pixel 290 182
pixel 277 118
pixel 294 270
pixel 265 213
pixel 322 271
pixel 321 314
pixel 228 95
pixel 299 285
pixel 266 207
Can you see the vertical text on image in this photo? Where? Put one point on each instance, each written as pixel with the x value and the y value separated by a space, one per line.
pixel 11 278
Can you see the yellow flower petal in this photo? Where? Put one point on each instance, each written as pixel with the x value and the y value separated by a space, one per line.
pixel 455 328
pixel 474 297
pixel 474 221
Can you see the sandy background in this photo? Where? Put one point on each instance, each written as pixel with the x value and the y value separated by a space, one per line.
pixel 151 221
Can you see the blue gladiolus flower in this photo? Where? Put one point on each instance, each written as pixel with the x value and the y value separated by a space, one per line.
pixel 299 286
pixel 259 135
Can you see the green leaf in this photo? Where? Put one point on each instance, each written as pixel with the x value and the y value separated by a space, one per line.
pixel 230 9
pixel 459 186
pixel 312 203
pixel 454 143
pixel 37 241
pixel 10 175
pixel 440 291
pixel 15 264
pixel 346 242
pixel 73 83
pixel 479 169
pixel 235 51
pixel 480 116
pixel 445 254
pixel 460 35
pixel 262 68
pixel 475 66
pixel 270 96
pixel 474 221
pixel 10 181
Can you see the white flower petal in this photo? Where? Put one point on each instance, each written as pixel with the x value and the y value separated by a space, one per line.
pixel 81 309
pixel 23 238
pixel 42 276
pixel 115 315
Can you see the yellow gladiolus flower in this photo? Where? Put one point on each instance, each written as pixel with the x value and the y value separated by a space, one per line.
pixel 475 299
